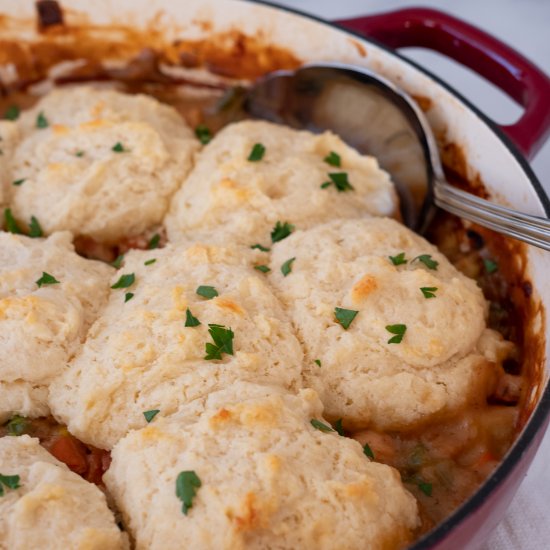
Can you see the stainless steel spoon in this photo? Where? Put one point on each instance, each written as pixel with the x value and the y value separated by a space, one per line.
pixel 371 114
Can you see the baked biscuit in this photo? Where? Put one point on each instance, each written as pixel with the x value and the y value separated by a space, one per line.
pixel 149 353
pixel 52 507
pixel 248 197
pixel 99 163
pixel 9 136
pixel 49 297
pixel 406 348
pixel 259 476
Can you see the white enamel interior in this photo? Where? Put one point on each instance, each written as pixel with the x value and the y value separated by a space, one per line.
pixel 309 40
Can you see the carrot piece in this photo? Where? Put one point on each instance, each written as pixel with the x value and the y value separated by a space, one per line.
pixel 72 452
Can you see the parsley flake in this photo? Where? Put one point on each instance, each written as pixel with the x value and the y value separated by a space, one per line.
pixel 321 426
pixel 79 154
pixel 368 451
pixel 46 279
pixel 11 224
pixel 18 182
pixel 427 260
pixel 150 262
pixel 317 362
pixel 207 292
pixel 428 291
pixel 153 242
pixel 281 231
pixel 203 133
pixel 338 427
pixel 118 262
pixel 262 268
pixel 344 316
pixel 10 482
pixel 398 330
pixel 425 487
pixel 12 112
pixel 340 181
pixel 490 266
pixel 286 268
pixel 399 259
pixel 18 425
pixel 119 148
pixel 260 247
pixel 187 484
pixel 41 121
pixel 125 281
pixel 149 415
pixel 190 320
pixel 35 230
pixel 128 296
pixel 257 153
pixel 223 342
pixel 333 159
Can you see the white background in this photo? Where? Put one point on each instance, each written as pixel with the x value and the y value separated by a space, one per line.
pixel 525 25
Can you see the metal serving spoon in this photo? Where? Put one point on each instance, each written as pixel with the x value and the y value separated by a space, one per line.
pixel 371 114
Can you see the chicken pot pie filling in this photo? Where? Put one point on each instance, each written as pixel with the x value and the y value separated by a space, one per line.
pixel 255 312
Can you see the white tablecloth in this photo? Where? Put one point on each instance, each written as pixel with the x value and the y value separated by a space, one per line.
pixel 524 24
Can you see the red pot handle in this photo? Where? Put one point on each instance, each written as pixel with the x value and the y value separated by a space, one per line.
pixel 523 81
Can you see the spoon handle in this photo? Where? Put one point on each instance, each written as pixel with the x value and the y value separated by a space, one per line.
pixel 530 229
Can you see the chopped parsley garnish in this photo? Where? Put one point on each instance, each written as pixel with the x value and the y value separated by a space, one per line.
pixel 18 425
pixel 281 231
pixel 46 279
pixel 203 133
pixel 338 427
pixel 18 182
pixel 149 415
pixel 119 148
pixel 10 482
pixel 399 259
pixel 207 292
pixel 333 159
pixel 223 342
pixel 427 260
pixel 344 316
pixel 286 268
pixel 41 121
pixel 11 224
pixel 260 247
pixel 257 152
pixel 12 112
pixel 79 154
pixel 321 426
pixel 154 242
pixel 340 181
pixel 368 451
pixel 428 291
pixel 190 320
pixel 150 262
pixel 490 266
pixel 262 268
pixel 317 362
pixel 125 281
pixel 35 230
pixel 187 484
pixel 128 296
pixel 425 487
pixel 398 330
pixel 118 262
